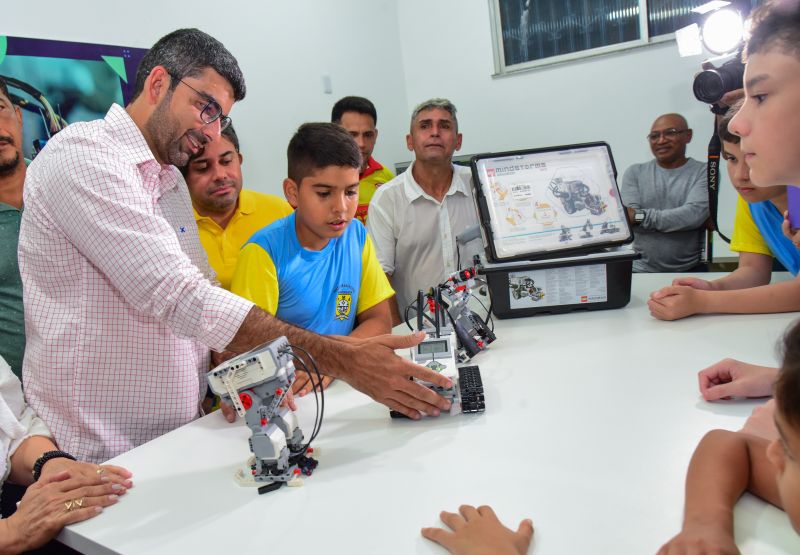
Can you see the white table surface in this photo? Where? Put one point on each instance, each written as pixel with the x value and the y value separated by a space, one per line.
pixel 590 423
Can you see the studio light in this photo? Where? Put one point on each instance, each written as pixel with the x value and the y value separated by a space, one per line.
pixel 722 31
pixel 718 26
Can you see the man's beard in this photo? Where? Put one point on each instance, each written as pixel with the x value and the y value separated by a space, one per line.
pixel 10 165
pixel 163 129
pixel 220 205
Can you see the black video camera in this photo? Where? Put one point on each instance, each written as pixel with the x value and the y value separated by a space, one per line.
pixel 711 84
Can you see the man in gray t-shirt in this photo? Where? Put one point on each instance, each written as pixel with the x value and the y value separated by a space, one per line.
pixel 667 201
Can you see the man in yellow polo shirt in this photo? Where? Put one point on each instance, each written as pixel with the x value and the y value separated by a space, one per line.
pixel 226 214
pixel 359 118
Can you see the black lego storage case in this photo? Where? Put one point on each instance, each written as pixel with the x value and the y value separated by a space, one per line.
pixel 540 210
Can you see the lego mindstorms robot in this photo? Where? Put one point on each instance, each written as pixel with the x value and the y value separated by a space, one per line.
pixel 452 333
pixel 256 384
pixel 447 306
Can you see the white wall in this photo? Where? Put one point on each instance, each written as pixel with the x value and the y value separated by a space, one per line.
pixel 284 47
pixel 398 53
pixel 447 51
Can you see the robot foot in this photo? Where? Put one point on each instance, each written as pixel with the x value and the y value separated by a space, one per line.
pixel 270 487
pixel 301 465
pixel 295 482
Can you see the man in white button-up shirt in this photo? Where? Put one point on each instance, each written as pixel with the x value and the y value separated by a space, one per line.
pixel 415 218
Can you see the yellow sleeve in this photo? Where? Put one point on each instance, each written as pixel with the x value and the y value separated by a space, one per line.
pixel 386 175
pixel 374 285
pixel 256 279
pixel 746 236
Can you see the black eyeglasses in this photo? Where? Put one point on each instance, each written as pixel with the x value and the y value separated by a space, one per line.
pixel 212 111
pixel 668 134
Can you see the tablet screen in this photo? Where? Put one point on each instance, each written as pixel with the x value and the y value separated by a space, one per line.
pixel 551 200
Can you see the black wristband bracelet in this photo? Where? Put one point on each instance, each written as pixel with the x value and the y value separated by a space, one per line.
pixel 49 455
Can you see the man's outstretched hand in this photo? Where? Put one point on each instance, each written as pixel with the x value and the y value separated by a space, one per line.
pixel 378 372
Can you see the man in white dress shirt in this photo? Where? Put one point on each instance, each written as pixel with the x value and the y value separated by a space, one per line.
pixel 415 218
pixel 120 312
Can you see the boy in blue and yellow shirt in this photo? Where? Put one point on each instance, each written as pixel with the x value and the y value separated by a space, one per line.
pixel 317 268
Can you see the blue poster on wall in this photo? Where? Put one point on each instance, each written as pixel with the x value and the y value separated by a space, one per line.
pixel 59 82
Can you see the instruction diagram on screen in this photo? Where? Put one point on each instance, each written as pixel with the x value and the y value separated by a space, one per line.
pixel 574 194
pixel 552 200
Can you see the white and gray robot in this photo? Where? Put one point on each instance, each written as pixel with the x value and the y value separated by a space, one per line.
pixel 256 383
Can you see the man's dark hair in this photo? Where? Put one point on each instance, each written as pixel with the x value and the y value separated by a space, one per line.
pixel 787 387
pixel 722 127
pixel 4 89
pixel 775 24
pixel 318 145
pixel 357 104
pixel 186 53
pixel 228 133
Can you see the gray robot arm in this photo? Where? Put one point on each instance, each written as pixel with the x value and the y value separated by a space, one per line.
pixel 255 383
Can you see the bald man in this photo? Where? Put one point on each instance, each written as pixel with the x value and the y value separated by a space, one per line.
pixel 667 201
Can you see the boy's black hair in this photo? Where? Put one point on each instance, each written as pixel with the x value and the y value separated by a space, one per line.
pixel 318 145
pixel 787 387
pixel 357 104
pixel 722 127
pixel 775 24
pixel 186 53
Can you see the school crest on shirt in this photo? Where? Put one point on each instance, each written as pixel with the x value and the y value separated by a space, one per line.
pixel 344 301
